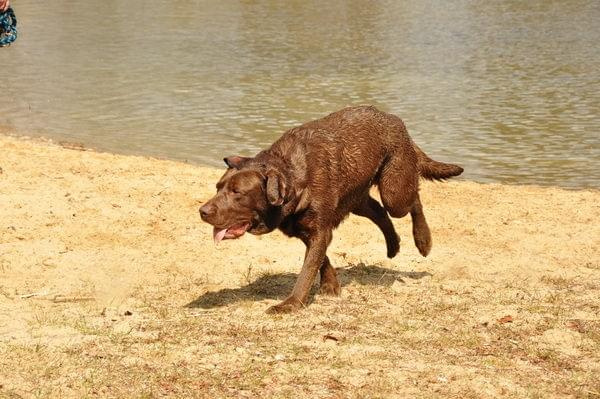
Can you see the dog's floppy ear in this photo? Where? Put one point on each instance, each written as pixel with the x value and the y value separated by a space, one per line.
pixel 277 187
pixel 235 161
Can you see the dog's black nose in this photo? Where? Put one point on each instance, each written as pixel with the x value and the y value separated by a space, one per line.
pixel 206 211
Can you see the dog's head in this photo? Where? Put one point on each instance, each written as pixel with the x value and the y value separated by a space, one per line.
pixel 249 198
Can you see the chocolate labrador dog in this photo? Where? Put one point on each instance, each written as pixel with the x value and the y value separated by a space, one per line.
pixel 314 176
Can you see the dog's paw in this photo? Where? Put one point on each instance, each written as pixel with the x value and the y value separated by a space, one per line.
pixel 393 247
pixel 330 288
pixel 290 305
pixel 423 243
pixel 422 236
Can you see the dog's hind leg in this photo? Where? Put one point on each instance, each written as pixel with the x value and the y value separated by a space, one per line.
pixel 399 185
pixel 421 232
pixel 399 188
pixel 372 210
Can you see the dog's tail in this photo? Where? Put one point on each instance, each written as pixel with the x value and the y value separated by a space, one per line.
pixel 434 170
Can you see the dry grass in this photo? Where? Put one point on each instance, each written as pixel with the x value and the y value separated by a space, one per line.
pixel 380 339
pixel 132 299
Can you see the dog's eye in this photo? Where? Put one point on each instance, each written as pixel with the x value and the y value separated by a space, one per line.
pixel 236 191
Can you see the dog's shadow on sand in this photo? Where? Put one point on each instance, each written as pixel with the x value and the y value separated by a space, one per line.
pixel 279 286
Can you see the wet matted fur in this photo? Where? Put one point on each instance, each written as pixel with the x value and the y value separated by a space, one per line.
pixel 314 176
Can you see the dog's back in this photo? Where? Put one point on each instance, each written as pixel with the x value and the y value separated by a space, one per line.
pixel 343 154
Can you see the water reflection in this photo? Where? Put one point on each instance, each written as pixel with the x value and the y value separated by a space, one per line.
pixel 508 89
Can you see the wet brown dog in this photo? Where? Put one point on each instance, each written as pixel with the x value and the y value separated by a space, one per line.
pixel 314 176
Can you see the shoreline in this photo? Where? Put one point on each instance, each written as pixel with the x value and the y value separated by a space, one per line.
pixel 103 256
pixel 77 145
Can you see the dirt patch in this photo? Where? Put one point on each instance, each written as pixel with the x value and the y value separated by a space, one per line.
pixel 110 286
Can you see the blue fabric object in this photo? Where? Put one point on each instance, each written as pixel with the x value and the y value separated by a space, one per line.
pixel 8 27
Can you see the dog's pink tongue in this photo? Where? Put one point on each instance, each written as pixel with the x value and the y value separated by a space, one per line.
pixel 218 235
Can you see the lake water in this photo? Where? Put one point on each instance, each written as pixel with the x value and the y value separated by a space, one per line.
pixel 508 89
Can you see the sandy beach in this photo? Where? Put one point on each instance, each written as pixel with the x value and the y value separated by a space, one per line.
pixel 111 286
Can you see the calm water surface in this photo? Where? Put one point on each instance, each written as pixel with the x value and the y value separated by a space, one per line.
pixel 508 89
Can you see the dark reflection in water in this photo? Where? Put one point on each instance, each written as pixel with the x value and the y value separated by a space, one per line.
pixel 509 89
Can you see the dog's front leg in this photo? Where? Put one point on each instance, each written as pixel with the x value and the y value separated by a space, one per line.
pixel 316 247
